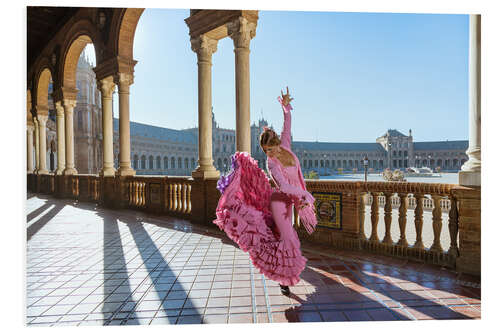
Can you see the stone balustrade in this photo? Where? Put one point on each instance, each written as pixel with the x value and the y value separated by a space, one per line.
pixel 388 218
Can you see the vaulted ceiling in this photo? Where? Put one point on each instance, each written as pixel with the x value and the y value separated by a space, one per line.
pixel 42 24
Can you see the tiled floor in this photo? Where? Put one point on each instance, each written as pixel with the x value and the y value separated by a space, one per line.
pixel 94 266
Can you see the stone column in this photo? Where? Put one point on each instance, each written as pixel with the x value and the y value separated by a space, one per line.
pixel 61 146
pixel 42 133
pixel 204 48
pixel 471 170
pixel 69 105
pixel 241 32
pixel 37 146
pixel 124 80
pixel 29 141
pixel 107 87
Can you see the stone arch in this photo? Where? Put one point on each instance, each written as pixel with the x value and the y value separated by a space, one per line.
pixel 124 24
pixel 43 79
pixel 70 60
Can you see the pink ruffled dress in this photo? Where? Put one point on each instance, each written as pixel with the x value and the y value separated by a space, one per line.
pixel 259 218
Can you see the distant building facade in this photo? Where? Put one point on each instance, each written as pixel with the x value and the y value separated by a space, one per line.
pixel 163 151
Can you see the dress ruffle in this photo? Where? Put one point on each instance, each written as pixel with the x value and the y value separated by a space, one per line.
pixel 243 213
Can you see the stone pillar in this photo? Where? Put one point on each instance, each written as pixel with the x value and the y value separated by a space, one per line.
pixel 471 170
pixel 242 31
pixel 29 141
pixel 61 146
pixel 124 80
pixel 469 226
pixel 37 146
pixel 204 48
pixel 69 105
pixel 107 87
pixel 42 134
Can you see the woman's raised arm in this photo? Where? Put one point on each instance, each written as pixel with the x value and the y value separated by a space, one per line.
pixel 287 119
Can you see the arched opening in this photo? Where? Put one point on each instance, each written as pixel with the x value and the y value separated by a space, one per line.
pixel 143 162
pixel 136 162
pixel 165 162
pixel 78 76
pixel 151 160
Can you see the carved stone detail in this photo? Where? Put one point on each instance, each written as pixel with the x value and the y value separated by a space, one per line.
pixel 241 32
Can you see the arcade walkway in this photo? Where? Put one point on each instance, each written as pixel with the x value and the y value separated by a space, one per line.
pixel 87 265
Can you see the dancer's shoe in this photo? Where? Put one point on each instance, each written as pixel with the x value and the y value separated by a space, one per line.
pixel 285 290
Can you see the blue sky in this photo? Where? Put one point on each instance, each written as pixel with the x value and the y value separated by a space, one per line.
pixel 353 75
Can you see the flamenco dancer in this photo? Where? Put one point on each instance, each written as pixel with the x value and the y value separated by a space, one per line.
pixel 259 218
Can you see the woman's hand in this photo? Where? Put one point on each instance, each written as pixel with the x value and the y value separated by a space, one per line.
pixel 303 203
pixel 285 98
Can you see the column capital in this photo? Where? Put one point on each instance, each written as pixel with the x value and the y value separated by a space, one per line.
pixel 106 86
pixel 241 32
pixel 123 80
pixel 42 119
pixel 59 108
pixel 30 126
pixel 69 104
pixel 204 46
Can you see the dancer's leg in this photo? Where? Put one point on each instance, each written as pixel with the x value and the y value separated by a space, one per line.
pixel 281 209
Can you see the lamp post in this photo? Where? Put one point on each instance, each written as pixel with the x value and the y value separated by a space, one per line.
pixel 324 164
pixel 390 155
pixel 365 164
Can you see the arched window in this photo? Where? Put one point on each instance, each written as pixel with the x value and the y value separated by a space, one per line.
pixel 219 164
pixel 151 160
pixel 192 163
pixel 186 163
pixel 350 164
pixel 172 162
pixel 143 162
pixel 327 164
pixel 226 166
pixel 315 163
pixel 165 162
pixel 179 163
pixel 158 162
pixel 136 162
pixel 80 120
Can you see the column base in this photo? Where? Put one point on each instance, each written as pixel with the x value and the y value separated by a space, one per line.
pixel 70 171
pixel 43 172
pixel 108 172
pixel 205 174
pixel 127 171
pixel 59 172
pixel 469 178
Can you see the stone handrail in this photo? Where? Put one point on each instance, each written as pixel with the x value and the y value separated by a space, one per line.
pixel 417 197
pixel 160 194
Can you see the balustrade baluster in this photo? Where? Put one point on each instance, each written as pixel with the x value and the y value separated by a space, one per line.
pixel 179 198
pixel 388 217
pixel 189 198
pixel 374 217
pixel 143 194
pixel 453 227
pixel 437 224
pixel 419 220
pixel 136 195
pixel 361 213
pixel 171 196
pixel 402 219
